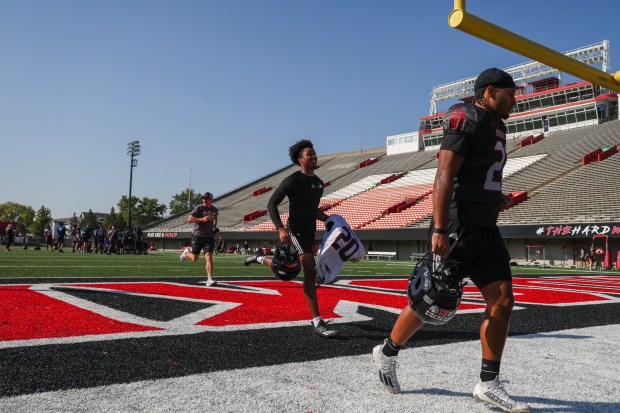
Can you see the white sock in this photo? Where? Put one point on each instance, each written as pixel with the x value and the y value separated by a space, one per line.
pixel 260 260
pixel 316 321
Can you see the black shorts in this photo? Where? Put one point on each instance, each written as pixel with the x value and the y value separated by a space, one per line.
pixel 202 243
pixel 60 240
pixel 302 241
pixel 479 253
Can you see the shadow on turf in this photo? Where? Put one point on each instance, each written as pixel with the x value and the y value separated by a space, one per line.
pixel 540 404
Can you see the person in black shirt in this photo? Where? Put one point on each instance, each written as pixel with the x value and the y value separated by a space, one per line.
pixel 467 199
pixel 139 242
pixel 9 236
pixel 204 218
pixel 304 190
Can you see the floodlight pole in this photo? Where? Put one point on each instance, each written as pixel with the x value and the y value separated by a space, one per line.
pixel 189 191
pixel 133 149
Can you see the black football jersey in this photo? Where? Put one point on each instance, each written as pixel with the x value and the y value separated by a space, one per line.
pixel 480 139
pixel 304 194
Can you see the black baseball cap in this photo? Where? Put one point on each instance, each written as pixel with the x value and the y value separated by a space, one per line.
pixel 207 195
pixel 495 77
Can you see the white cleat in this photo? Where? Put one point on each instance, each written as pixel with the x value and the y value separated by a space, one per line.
pixel 211 282
pixel 183 256
pixel 387 369
pixel 493 393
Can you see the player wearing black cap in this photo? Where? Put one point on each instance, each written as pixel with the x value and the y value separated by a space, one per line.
pixel 204 218
pixel 467 199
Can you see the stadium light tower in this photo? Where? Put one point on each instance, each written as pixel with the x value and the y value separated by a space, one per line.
pixel 133 149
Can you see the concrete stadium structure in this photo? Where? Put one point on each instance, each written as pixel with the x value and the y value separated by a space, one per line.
pixel 561 166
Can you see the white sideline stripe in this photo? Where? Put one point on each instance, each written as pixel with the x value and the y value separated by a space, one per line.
pixel 564 371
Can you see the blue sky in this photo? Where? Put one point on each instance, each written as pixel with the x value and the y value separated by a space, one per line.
pixel 224 87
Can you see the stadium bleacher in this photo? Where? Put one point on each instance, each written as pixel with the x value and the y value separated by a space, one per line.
pixel 556 180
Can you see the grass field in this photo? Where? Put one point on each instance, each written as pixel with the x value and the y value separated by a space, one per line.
pixel 19 263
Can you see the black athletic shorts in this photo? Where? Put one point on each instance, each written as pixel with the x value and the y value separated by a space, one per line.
pixel 302 240
pixel 202 243
pixel 479 253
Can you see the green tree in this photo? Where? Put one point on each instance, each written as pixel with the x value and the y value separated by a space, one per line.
pixel 23 215
pixel 122 209
pixel 89 218
pixel 42 219
pixel 179 202
pixel 112 219
pixel 75 221
pixel 149 210
pixel 143 211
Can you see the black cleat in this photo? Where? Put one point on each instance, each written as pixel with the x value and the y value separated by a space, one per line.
pixel 323 331
pixel 254 257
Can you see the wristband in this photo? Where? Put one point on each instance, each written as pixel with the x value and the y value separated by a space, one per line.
pixel 440 231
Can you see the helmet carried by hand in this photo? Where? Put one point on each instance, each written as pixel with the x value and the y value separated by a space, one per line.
pixel 435 289
pixel 285 264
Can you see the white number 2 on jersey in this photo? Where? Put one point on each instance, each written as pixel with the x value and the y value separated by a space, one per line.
pixel 490 184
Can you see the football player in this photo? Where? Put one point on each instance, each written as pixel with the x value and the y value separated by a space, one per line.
pixel 468 197
pixel 303 190
pixel 204 218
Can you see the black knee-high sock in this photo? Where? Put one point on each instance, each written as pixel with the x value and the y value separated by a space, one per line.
pixel 489 370
pixel 390 348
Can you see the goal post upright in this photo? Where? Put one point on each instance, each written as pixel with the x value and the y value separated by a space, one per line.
pixel 475 26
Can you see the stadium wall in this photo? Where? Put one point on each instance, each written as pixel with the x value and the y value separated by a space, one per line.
pixel 558 250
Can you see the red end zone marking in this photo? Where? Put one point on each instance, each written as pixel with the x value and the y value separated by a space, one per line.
pixel 26 315
pixel 288 305
pixel 31 312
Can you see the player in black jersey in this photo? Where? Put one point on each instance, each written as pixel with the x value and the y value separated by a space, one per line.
pixel 467 199
pixel 304 190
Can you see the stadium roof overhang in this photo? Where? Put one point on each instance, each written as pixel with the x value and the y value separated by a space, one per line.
pixel 522 73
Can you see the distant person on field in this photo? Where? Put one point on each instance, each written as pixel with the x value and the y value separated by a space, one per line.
pixel 583 257
pixel 139 241
pixel 47 234
pixel 591 257
pixel 76 238
pixel 61 233
pixel 204 218
pixel 9 236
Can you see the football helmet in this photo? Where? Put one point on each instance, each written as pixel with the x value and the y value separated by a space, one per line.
pixel 435 289
pixel 285 264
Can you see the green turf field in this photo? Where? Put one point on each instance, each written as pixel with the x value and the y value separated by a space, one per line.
pixel 30 263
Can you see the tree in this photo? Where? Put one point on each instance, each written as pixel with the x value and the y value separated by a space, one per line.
pixel 179 202
pixel 143 211
pixel 42 219
pixel 112 219
pixel 89 219
pixel 23 215
pixel 122 208
pixel 75 221
pixel 149 210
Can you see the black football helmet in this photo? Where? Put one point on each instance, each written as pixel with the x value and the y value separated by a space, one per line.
pixel 285 264
pixel 435 289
